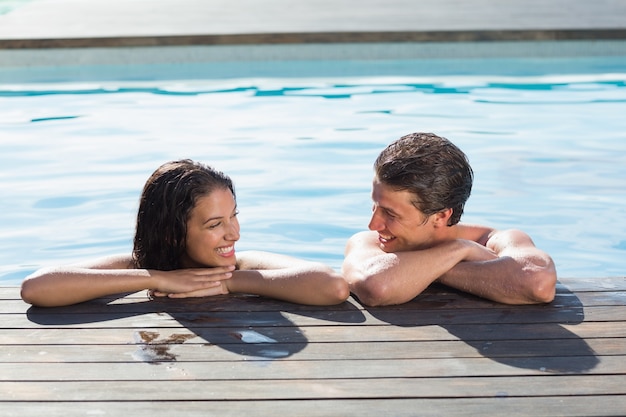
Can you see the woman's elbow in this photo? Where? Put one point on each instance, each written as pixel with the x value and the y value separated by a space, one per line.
pixel 338 290
pixel 331 287
pixel 29 291
pixel 335 288
pixel 35 288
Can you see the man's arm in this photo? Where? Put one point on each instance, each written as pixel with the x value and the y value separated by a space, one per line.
pixel 521 274
pixel 380 278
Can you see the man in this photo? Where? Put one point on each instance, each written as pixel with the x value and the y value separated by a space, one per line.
pixel 420 187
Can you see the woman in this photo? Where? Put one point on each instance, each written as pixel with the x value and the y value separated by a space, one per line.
pixel 184 246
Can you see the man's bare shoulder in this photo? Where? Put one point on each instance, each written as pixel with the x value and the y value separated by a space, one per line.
pixel 475 232
pixel 366 237
pixel 364 241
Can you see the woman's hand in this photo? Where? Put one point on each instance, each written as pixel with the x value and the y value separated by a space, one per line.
pixel 193 282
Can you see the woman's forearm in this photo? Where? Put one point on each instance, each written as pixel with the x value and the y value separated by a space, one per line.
pixel 65 286
pixel 296 285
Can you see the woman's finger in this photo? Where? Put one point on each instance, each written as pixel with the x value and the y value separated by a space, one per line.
pixel 214 289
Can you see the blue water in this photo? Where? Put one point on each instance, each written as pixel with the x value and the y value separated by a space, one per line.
pixel 548 150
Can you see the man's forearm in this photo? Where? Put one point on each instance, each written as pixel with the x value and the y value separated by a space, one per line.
pixel 505 280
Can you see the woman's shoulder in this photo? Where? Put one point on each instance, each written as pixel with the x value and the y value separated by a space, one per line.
pixel 253 259
pixel 119 261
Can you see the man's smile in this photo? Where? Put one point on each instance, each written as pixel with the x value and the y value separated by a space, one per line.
pixel 385 239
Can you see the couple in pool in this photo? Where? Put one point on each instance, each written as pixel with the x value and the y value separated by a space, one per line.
pixel 187 228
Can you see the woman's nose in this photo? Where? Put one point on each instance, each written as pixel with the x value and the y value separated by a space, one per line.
pixel 233 232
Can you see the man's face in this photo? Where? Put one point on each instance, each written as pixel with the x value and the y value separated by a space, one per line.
pixel 400 226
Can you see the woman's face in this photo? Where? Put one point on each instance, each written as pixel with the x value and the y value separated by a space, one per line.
pixel 212 230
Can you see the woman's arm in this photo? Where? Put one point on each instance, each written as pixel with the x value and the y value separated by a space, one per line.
pixel 285 278
pixel 65 285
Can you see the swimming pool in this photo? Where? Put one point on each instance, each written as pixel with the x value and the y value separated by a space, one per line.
pixel 547 143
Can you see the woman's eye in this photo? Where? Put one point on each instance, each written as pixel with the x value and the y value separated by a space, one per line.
pixel 235 214
pixel 214 225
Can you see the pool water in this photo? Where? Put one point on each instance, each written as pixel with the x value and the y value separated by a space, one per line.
pixel 548 151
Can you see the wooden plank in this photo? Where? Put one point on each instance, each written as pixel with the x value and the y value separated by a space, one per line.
pixel 320 334
pixel 435 294
pixel 118 316
pixel 611 283
pixel 261 368
pixel 591 299
pixel 593 284
pixel 600 405
pixel 306 350
pixel 200 390
pixel 174 349
pixel 233 303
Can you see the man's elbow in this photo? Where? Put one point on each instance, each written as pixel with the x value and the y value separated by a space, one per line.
pixel 373 292
pixel 543 289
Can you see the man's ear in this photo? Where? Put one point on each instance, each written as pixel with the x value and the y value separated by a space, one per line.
pixel 440 219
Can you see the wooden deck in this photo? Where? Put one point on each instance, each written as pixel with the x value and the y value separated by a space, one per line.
pixel 445 353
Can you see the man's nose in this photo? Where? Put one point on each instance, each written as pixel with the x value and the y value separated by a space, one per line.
pixel 376 222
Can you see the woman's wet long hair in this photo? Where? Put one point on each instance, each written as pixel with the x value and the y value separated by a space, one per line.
pixel 165 206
